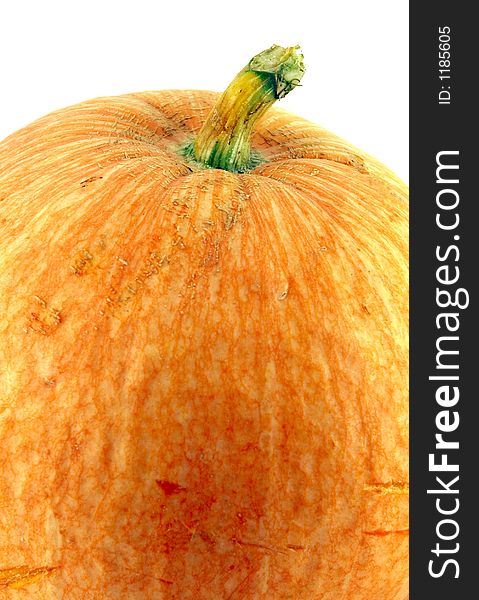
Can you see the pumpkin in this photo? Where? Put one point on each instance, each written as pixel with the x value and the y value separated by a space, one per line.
pixel 204 346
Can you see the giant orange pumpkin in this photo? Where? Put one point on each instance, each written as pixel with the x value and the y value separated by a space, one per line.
pixel 203 352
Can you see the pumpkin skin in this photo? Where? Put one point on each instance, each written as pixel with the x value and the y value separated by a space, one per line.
pixel 204 373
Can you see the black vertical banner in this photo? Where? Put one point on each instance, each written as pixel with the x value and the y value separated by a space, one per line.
pixel 444 326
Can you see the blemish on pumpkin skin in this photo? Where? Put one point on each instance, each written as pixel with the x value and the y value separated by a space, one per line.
pixel 349 160
pixel 152 265
pixel 383 532
pixel 21 576
pixel 393 487
pixel 232 213
pixel 82 263
pixel 40 301
pixel 42 319
pixel 258 545
pixel 85 182
pixel 206 537
pixel 169 487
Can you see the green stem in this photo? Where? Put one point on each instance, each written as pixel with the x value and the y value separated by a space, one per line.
pixel 224 141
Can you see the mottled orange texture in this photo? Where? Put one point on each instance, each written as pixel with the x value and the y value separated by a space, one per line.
pixel 203 374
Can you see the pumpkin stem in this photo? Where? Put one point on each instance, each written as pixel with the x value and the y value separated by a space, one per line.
pixel 224 141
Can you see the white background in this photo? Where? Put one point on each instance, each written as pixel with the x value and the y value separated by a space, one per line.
pixel 57 53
